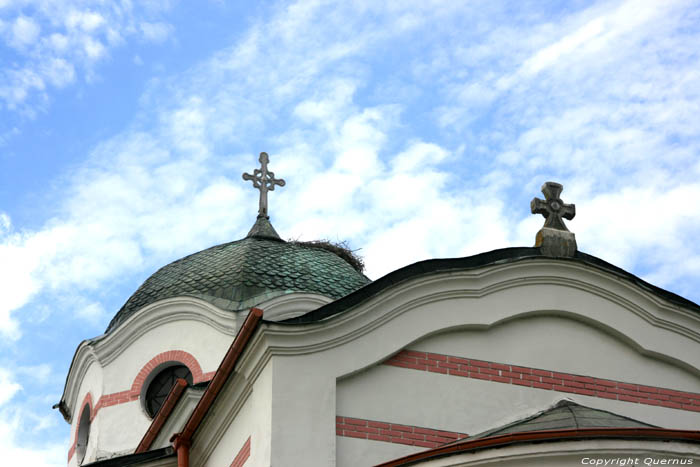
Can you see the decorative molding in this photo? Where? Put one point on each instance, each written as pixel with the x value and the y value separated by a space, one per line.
pixel 297 339
pixel 216 424
pixel 545 379
pixel 110 346
pixel 107 347
pixel 133 394
pixel 292 305
pixel 394 433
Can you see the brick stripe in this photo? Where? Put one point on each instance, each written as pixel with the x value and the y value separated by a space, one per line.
pixel 87 400
pixel 132 394
pixel 394 433
pixel 242 455
pixel 545 379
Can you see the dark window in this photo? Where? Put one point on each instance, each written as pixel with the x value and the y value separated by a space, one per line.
pixel 161 385
pixel 83 434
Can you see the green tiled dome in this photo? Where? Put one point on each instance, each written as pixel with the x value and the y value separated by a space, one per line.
pixel 241 274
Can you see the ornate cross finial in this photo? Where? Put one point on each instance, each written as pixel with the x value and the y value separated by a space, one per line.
pixel 264 181
pixel 554 239
pixel 553 208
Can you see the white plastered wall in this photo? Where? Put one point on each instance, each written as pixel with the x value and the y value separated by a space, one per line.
pixel 124 424
pixel 407 396
pixel 176 324
pixel 241 410
pixel 587 304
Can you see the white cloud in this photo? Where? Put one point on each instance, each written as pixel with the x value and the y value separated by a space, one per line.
pixel 156 32
pixel 87 21
pixel 67 38
pixel 59 72
pixel 24 31
pixel 8 387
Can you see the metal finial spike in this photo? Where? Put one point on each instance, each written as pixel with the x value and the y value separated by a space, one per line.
pixel 264 180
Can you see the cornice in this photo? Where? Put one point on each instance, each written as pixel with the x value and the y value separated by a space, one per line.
pixel 110 346
pixel 107 347
pixel 292 305
pixel 394 301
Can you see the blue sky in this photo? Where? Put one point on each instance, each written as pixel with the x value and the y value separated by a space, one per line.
pixel 412 130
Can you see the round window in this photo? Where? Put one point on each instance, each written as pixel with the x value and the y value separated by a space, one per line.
pixel 162 383
pixel 83 434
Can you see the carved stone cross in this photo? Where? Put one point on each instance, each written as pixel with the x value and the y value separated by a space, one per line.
pixel 264 181
pixel 554 239
pixel 553 208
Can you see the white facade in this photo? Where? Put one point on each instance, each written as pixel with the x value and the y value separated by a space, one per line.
pixel 577 322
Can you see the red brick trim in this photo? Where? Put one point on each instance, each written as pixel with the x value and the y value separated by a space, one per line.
pixel 87 400
pixel 545 379
pixel 242 455
pixel 394 432
pixel 134 393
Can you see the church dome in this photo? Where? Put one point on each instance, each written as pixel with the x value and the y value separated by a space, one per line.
pixel 238 275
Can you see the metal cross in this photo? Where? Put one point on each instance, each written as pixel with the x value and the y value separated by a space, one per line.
pixel 553 208
pixel 264 181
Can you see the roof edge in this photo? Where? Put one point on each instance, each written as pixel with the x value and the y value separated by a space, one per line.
pixel 650 434
pixel 134 459
pixel 500 256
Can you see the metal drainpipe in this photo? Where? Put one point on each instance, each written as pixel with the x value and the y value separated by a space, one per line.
pixel 182 447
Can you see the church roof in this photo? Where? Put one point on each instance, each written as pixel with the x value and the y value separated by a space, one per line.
pixel 565 415
pixel 565 421
pixel 240 274
pixel 500 256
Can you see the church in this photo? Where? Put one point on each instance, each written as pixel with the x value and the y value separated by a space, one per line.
pixel 265 352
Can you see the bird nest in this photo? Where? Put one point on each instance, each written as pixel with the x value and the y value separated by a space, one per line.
pixel 341 249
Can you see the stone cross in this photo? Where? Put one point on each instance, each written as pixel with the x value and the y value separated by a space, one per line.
pixel 264 181
pixel 552 207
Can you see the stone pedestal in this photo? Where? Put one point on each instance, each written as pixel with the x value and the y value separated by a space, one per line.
pixel 556 243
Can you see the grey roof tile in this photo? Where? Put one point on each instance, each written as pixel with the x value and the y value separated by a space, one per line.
pixel 240 272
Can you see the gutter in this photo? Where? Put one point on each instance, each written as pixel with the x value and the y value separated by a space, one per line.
pixel 471 445
pixel 183 440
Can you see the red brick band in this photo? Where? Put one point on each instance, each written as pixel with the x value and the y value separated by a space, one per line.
pixel 394 433
pixel 87 400
pixel 242 455
pixel 121 397
pixel 545 379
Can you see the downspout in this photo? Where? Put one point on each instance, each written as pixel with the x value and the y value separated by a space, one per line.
pixel 182 448
pixel 182 441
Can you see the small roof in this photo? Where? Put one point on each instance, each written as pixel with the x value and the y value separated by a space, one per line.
pixel 565 421
pixel 134 459
pixel 565 414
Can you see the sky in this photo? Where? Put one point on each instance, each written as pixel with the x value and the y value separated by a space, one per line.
pixel 409 129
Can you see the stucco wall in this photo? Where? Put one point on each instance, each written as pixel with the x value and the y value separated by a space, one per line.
pixel 445 402
pixel 548 314
pixel 121 420
pixel 253 421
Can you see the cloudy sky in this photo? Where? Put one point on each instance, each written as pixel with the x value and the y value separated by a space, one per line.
pixel 412 130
